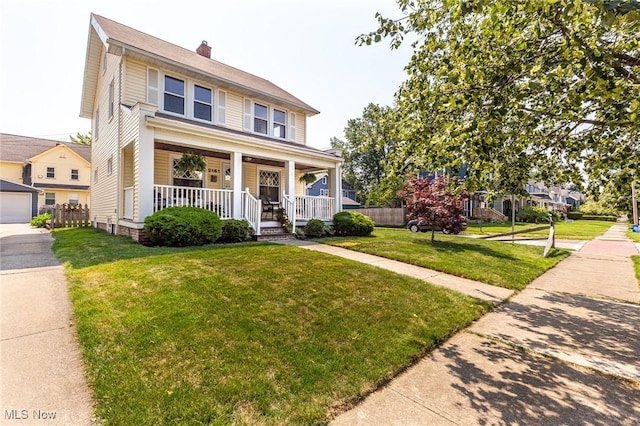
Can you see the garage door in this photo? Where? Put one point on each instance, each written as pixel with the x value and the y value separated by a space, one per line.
pixel 15 207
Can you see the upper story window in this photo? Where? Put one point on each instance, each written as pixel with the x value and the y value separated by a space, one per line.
pixel 51 172
pixel 110 165
pixel 111 98
pixel 268 120
pixel 173 95
pixel 75 175
pixel 260 118
pixel 279 123
pixel 96 125
pixel 202 103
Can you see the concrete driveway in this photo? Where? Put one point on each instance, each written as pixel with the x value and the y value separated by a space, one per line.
pixel 42 373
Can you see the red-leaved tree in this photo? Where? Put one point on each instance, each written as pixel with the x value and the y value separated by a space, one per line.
pixel 432 203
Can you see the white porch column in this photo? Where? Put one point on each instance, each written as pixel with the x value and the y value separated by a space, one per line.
pixel 145 148
pixel 335 179
pixel 290 178
pixel 236 177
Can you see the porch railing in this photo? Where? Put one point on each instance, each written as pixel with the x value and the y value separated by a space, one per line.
pixel 217 200
pixel 288 204
pixel 252 210
pixel 128 203
pixel 309 207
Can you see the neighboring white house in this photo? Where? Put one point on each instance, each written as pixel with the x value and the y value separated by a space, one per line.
pixel 150 101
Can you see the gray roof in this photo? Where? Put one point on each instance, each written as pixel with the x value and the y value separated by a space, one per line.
pixel 8 186
pixel 117 33
pixel 19 149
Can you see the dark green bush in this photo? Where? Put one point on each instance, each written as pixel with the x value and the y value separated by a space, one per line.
pixel 352 223
pixel 40 221
pixel 533 214
pixel 575 215
pixel 315 228
pixel 183 226
pixel 599 217
pixel 234 231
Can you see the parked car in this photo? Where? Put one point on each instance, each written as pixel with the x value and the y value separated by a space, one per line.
pixel 454 226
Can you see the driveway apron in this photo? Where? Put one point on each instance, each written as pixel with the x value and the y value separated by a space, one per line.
pixel 563 351
pixel 42 372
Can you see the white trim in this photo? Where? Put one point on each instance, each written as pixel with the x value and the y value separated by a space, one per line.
pixel 192 92
pixel 112 100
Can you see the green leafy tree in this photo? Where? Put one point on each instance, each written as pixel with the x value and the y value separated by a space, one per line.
pixel 369 141
pixel 81 138
pixel 548 89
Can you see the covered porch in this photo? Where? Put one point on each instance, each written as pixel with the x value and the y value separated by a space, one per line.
pixel 248 180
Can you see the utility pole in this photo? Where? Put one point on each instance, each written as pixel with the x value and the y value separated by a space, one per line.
pixel 634 202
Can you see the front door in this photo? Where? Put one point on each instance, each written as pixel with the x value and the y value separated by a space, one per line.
pixel 269 182
pixel 226 176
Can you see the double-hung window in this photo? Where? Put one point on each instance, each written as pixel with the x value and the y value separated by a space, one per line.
pixel 74 174
pixel 202 103
pixel 51 173
pixel 260 118
pixel 279 123
pixel 174 95
pixel 49 199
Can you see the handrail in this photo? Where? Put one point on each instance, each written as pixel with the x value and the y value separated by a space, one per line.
pixel 252 210
pixel 289 205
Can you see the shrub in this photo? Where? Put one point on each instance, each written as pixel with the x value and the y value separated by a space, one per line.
pixel 234 231
pixel 574 215
pixel 40 221
pixel 352 223
pixel 315 228
pixel 183 226
pixel 594 209
pixel 533 214
pixel 599 217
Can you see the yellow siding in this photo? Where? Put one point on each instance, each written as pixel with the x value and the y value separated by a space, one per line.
pixel 136 82
pixel 11 171
pixel 301 123
pixel 300 188
pixel 213 169
pixel 250 178
pixel 106 191
pixel 63 160
pixel 161 171
pixel 63 196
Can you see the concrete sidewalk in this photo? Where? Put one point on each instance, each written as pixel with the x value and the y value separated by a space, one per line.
pixel 563 351
pixel 41 369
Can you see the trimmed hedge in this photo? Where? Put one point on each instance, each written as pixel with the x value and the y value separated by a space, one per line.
pixel 533 214
pixel 599 217
pixel 575 215
pixel 234 231
pixel 183 226
pixel 315 228
pixel 352 223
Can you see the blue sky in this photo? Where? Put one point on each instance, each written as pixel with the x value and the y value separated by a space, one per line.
pixel 304 46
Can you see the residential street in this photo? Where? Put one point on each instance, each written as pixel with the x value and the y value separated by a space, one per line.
pixel 563 351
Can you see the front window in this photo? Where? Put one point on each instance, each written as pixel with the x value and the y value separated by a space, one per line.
pixel 260 118
pixel 270 184
pixel 49 199
pixel 75 175
pixel 173 95
pixel 202 103
pixel 279 123
pixel 51 172
pixel 186 178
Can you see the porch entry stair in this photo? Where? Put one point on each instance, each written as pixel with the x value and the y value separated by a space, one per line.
pixel 489 213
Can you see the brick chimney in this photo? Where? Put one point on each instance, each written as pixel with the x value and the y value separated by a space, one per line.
pixel 204 49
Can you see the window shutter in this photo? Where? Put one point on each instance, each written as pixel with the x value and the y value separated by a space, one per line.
pixel 153 83
pixel 222 107
pixel 247 115
pixel 292 126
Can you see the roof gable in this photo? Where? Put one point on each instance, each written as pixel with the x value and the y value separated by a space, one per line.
pixel 19 149
pixel 62 148
pixel 103 31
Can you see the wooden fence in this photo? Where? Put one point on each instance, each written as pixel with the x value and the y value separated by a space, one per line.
pixel 386 216
pixel 69 216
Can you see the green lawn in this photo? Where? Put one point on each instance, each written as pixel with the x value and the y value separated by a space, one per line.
pixel 243 334
pixel 503 264
pixel 576 230
pixel 636 263
pixel 635 236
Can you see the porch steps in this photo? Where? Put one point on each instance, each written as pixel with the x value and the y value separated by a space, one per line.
pixel 273 233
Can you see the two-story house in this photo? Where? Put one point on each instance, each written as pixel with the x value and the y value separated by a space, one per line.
pixel 150 101
pixel 320 188
pixel 59 172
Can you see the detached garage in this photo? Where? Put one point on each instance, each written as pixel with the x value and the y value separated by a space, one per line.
pixel 18 202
